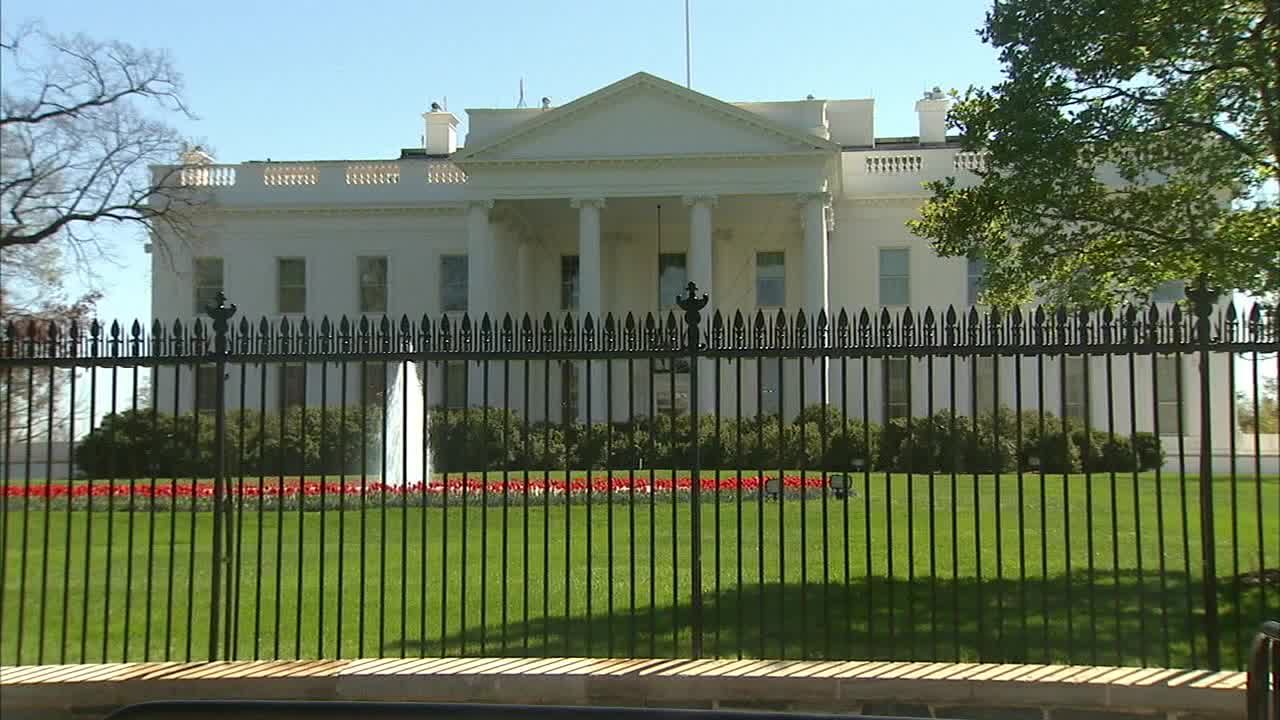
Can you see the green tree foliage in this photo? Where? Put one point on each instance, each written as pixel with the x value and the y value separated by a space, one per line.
pixel 1267 417
pixel 1131 142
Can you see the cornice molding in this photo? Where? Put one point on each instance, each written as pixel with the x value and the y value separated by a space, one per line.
pixel 651 160
pixel 451 210
pixel 886 201
pixel 707 199
pixel 586 202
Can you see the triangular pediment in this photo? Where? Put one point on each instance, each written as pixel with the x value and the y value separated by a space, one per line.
pixel 643 116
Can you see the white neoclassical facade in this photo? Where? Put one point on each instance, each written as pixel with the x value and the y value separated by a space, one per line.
pixel 609 204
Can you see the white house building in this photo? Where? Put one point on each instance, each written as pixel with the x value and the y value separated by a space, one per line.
pixel 609 204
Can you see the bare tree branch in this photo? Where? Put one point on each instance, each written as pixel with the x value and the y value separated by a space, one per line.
pixel 78 136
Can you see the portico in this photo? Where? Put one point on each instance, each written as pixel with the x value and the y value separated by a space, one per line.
pixel 640 171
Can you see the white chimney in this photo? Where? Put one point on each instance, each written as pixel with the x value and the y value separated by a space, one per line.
pixel 932 109
pixel 441 136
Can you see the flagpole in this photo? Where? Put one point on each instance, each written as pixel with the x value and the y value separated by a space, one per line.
pixel 688 71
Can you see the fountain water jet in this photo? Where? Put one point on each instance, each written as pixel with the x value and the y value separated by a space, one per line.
pixel 408 460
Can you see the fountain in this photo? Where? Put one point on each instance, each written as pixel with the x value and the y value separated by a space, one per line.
pixel 407 460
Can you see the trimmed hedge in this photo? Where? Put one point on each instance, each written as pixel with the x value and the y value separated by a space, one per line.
pixel 332 441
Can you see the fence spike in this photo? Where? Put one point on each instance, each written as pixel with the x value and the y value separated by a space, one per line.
pixel 1254 323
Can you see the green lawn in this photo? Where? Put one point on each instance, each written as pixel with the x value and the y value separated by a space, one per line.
pixel 935 579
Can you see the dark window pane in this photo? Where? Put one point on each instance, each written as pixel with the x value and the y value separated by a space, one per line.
pixel 293 300
pixel 453 283
pixel 372 272
pixel 896 388
pixel 292 379
pixel 374 383
pixel 771 279
pixel 976 269
pixel 293 271
pixel 291 276
pixel 207 388
pixel 568 392
pixel 455 384
pixel 569 282
pixel 895 282
pixel 208 282
pixel 673 276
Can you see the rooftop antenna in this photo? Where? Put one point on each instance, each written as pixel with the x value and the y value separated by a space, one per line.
pixel 688 68
pixel 520 102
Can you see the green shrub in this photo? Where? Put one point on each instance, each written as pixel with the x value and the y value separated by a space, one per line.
pixel 343 440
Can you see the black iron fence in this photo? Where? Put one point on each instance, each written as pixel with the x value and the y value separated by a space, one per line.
pixel 1264 673
pixel 1084 487
pixel 300 710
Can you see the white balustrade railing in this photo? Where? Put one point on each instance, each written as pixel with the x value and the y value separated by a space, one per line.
pixel 970 161
pixel 207 175
pixel 373 173
pixel 290 174
pixel 896 164
pixel 444 172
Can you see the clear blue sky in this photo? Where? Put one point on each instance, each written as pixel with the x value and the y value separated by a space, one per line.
pixel 293 80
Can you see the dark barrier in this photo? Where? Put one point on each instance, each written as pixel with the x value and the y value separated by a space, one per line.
pixel 294 710
pixel 1264 673
pixel 1028 486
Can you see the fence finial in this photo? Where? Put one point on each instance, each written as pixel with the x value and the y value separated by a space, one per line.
pixel 221 313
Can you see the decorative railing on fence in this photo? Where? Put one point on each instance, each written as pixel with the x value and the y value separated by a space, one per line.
pixel 920 485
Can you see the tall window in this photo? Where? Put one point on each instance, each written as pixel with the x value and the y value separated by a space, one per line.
pixel 207 387
pixel 673 276
pixel 453 283
pixel 568 391
pixel 896 388
pixel 569 282
pixel 1169 291
pixel 292 382
pixel 671 385
pixel 770 396
pixel 372 274
pixel 455 384
pixel 208 282
pixel 1168 406
pixel 895 276
pixel 373 381
pixel 977 266
pixel 291 285
pixel 984 389
pixel 771 283
pixel 1077 388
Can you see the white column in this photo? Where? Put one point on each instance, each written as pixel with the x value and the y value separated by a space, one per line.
pixel 814 215
pixel 524 306
pixel 590 299
pixel 702 272
pixel 481 278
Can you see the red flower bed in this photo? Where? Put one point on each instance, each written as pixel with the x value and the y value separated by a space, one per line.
pixel 292 491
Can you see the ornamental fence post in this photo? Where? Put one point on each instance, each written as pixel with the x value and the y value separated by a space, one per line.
pixel 1202 301
pixel 221 314
pixel 692 305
